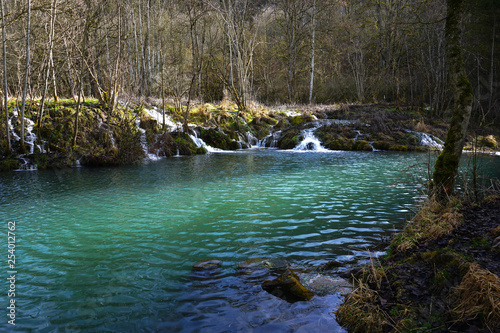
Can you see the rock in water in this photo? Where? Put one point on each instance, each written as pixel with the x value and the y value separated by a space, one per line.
pixel 205 265
pixel 288 287
pixel 269 264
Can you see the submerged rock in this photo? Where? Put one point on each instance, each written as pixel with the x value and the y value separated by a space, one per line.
pixel 267 264
pixel 288 287
pixel 330 265
pixel 209 264
pixel 326 285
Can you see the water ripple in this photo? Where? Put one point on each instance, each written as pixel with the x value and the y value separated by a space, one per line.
pixel 111 250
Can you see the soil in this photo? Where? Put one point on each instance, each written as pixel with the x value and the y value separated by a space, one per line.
pixel 418 288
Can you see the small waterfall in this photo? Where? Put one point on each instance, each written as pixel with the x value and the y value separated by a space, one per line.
pixel 113 141
pixel 144 142
pixel 428 140
pixel 310 142
pixel 202 144
pixel 158 116
pixel 26 166
pixel 14 134
pixel 252 140
pixel 270 141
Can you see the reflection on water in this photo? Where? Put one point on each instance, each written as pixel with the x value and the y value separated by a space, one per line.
pixel 111 250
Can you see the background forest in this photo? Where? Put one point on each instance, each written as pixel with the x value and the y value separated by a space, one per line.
pixel 272 52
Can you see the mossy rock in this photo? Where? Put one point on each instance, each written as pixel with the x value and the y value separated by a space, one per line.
pixel 299 120
pixel 99 158
pixel 399 147
pixel 9 164
pixel 218 139
pixel 149 124
pixel 163 145
pixel 381 145
pixel 288 287
pixel 362 145
pixel 340 144
pixel 184 146
pixel 289 139
pixel 487 142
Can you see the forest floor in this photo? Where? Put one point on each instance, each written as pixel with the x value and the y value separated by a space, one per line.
pixel 441 274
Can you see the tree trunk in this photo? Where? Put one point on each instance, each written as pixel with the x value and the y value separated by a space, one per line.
pixel 446 167
pixel 26 77
pixel 77 113
pixel 49 62
pixel 5 87
pixel 311 82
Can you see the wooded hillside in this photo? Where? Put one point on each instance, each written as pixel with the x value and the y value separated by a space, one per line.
pixel 278 51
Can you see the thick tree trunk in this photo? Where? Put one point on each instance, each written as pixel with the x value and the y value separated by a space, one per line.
pixel 446 167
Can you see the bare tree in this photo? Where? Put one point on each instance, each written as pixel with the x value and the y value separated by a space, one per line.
pixel 5 86
pixel 26 76
pixel 50 62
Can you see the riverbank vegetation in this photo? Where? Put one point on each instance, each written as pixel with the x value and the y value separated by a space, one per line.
pixel 441 274
pixel 94 136
pixel 243 54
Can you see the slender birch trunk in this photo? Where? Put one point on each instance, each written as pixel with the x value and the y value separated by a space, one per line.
pixel 49 62
pixel 5 87
pixel 311 84
pixel 26 76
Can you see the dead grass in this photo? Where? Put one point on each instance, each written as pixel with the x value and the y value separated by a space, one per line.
pixel 479 295
pixel 421 127
pixel 359 312
pixel 431 222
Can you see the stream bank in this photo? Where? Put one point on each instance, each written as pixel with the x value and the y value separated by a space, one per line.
pixel 441 274
pixel 133 132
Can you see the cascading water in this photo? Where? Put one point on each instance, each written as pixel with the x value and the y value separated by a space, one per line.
pixel 144 142
pixel 30 139
pixel 428 140
pixel 202 144
pixel 310 142
pixel 270 141
pixel 158 116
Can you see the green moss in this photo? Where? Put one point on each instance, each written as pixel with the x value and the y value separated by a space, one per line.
pixel 381 145
pixel 398 147
pixel 298 120
pixel 480 243
pixel 488 142
pixel 9 164
pixel 362 145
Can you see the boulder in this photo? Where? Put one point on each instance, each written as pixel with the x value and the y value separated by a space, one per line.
pixel 288 287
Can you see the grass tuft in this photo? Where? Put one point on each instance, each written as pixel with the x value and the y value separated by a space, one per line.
pixel 479 295
pixel 359 312
pixel 431 222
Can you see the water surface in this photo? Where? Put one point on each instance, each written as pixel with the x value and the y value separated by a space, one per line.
pixel 111 249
